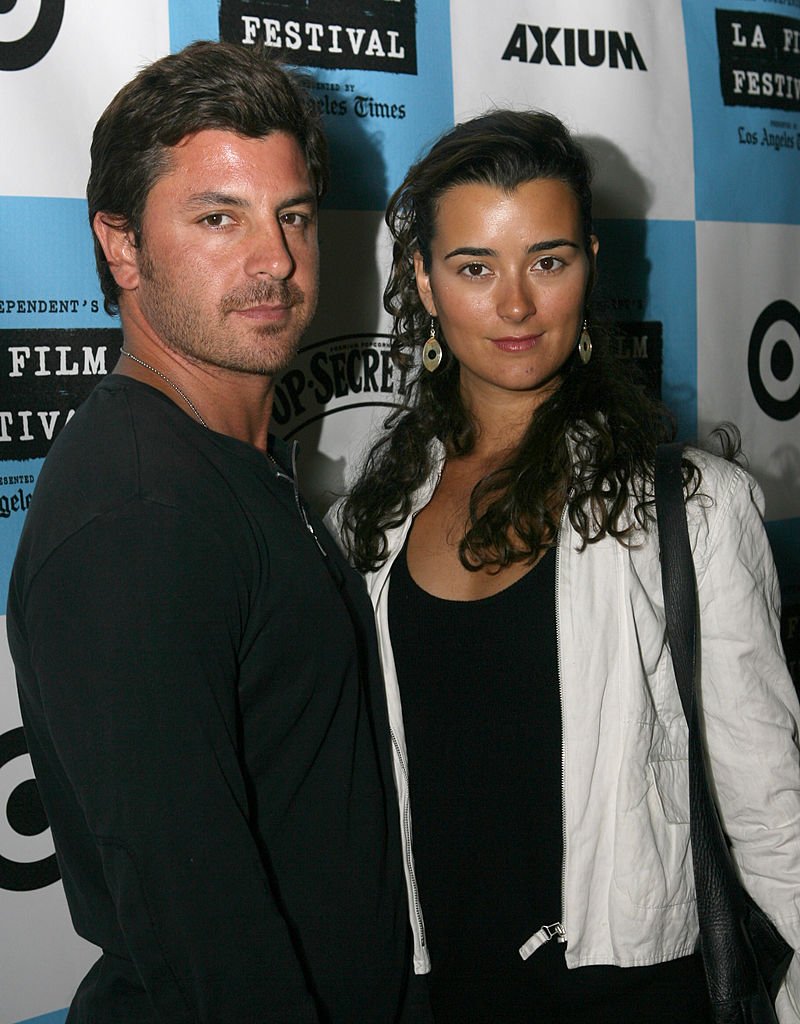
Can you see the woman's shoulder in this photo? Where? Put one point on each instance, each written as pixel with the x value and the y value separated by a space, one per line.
pixel 725 512
pixel 723 483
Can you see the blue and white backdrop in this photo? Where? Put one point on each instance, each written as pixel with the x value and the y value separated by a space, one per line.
pixel 692 110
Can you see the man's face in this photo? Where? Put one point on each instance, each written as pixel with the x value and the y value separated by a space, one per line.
pixel 228 260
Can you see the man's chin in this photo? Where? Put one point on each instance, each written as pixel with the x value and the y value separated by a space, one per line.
pixel 262 364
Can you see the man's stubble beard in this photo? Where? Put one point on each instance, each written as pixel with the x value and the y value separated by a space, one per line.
pixel 182 327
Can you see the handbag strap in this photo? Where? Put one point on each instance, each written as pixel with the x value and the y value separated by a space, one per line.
pixel 728 964
pixel 677 570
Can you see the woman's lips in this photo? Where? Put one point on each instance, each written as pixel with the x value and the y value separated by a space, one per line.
pixel 513 343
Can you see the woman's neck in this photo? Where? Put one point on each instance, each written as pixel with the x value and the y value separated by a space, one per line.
pixel 501 419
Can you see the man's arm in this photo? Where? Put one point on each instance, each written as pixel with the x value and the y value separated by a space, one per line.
pixel 134 626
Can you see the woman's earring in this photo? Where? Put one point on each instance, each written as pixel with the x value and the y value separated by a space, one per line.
pixel 585 344
pixel 432 350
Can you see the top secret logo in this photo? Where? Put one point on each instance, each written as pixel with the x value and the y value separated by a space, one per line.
pixel 335 375
pixel 368 36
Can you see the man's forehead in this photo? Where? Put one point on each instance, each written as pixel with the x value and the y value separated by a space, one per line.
pixel 212 153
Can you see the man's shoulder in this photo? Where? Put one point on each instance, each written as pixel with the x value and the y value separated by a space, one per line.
pixel 123 448
pixel 98 459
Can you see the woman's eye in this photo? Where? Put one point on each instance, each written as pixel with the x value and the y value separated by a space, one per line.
pixel 474 270
pixel 548 263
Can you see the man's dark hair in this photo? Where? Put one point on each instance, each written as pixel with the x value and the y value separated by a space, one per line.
pixel 207 85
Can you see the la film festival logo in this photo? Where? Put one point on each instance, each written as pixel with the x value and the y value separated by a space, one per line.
pixel 28 29
pixel 45 374
pixel 759 60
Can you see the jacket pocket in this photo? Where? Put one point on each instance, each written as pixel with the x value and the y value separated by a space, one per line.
pixel 653 863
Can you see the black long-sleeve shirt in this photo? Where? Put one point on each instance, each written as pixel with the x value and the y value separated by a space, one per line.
pixel 202 702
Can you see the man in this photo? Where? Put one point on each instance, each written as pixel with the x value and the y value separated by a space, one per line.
pixel 197 672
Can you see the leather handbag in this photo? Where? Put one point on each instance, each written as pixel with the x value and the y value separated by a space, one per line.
pixel 744 956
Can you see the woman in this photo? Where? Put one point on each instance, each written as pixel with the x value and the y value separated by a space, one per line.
pixel 505 526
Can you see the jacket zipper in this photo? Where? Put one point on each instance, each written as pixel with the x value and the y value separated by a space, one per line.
pixel 407 844
pixel 563 746
pixel 557 930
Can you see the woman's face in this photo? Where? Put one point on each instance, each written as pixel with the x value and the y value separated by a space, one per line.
pixel 507 282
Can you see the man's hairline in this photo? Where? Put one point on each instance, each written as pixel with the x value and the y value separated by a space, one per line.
pixel 165 167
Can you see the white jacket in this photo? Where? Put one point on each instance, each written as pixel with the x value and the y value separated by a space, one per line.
pixel 628 890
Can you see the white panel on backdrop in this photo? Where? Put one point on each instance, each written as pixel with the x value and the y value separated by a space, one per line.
pixel 614 70
pixel 50 108
pixel 748 348
pixel 42 960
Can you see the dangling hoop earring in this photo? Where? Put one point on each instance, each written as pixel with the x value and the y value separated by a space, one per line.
pixel 432 351
pixel 585 344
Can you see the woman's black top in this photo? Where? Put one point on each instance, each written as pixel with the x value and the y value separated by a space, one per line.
pixel 482 715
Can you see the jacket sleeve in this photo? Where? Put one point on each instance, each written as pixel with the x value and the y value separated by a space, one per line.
pixel 133 627
pixel 749 703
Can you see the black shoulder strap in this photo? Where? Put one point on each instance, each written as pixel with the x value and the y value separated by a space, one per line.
pixel 677 569
pixel 724 910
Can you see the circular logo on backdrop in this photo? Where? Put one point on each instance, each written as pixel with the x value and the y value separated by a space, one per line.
pixel 333 376
pixel 28 29
pixel 25 858
pixel 773 360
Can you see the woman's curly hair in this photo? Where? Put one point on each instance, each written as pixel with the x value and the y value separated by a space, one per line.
pixel 590 445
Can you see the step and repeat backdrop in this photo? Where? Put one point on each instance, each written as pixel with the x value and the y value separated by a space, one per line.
pixel 692 112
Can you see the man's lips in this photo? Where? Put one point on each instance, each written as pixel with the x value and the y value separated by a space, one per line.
pixel 265 311
pixel 516 343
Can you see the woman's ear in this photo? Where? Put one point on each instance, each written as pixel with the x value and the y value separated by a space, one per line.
pixel 122 254
pixel 594 248
pixel 424 284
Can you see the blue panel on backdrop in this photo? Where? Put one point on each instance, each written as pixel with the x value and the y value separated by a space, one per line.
pixel 17 481
pixel 55 343
pixel 47 256
pixel 190 20
pixel 744 69
pixel 57 1017
pixel 378 119
pixel 646 276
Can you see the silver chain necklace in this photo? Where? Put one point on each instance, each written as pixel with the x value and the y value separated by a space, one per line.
pixel 279 471
pixel 164 377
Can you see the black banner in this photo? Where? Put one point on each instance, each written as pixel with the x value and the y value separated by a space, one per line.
pixel 642 341
pixel 759 60
pixel 46 374
pixel 376 36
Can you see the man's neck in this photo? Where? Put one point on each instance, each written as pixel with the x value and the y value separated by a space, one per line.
pixel 226 401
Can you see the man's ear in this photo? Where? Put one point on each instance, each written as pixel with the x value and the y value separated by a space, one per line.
pixel 424 284
pixel 119 246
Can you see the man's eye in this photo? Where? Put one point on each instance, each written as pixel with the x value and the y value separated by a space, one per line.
pixel 216 220
pixel 294 219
